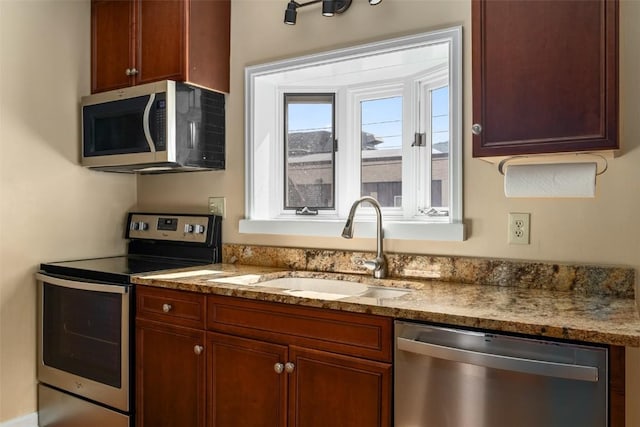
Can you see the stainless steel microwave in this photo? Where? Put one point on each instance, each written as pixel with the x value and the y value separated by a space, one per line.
pixel 158 127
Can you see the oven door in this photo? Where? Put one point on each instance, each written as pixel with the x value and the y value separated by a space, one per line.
pixel 83 339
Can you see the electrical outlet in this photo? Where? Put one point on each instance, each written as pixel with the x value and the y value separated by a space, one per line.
pixel 519 228
pixel 217 206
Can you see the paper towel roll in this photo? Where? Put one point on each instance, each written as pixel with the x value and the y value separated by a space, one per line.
pixel 551 180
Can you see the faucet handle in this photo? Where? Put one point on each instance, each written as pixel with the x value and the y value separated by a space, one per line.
pixel 372 264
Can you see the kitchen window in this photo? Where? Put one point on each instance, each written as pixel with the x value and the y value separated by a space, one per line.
pixel 309 149
pixel 379 120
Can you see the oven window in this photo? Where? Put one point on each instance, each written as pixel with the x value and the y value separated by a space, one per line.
pixel 82 333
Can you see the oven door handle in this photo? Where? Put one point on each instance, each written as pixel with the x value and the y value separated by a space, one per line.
pixel 85 286
pixel 497 361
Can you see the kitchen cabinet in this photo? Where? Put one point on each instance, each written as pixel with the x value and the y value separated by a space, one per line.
pixel 247 382
pixel 142 41
pixel 258 364
pixel 545 76
pixel 170 358
pixel 299 366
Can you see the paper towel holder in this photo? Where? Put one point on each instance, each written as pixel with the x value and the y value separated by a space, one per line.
pixel 559 158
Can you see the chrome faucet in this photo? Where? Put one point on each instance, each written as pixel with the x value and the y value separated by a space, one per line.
pixel 379 264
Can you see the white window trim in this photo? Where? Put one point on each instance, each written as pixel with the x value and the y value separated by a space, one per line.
pixel 451 228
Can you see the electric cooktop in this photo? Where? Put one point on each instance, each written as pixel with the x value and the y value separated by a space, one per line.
pixel 156 242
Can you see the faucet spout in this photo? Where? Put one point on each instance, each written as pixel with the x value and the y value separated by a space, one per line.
pixel 379 264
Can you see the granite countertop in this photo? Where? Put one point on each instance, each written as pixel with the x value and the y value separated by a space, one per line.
pixel 541 312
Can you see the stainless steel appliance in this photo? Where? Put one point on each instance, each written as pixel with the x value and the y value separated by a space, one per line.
pixel 157 127
pixel 85 319
pixel 448 377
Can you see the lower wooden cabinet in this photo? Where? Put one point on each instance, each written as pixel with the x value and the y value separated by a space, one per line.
pixel 247 384
pixel 328 389
pixel 258 364
pixel 170 375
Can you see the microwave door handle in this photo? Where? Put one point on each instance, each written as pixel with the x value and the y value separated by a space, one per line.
pixel 145 123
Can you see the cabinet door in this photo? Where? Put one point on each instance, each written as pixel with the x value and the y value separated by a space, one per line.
pixel 170 375
pixel 111 44
pixel 545 76
pixel 247 382
pixel 161 40
pixel 327 389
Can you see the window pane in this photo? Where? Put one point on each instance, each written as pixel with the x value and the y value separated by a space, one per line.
pixel 381 133
pixel 440 147
pixel 309 151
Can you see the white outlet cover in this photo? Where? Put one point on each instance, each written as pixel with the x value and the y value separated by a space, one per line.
pixel 519 228
pixel 217 206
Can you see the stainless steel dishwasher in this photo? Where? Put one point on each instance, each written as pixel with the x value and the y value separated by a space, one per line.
pixel 448 377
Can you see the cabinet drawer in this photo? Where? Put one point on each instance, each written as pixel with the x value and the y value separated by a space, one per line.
pixel 355 334
pixel 174 307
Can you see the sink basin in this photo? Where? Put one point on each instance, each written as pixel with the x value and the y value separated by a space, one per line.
pixel 382 293
pixel 314 284
pixel 331 289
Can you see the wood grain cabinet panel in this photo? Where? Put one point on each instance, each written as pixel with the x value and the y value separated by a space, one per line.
pixel 172 307
pixel 356 334
pixel 112 34
pixel 545 76
pixel 336 390
pixel 142 41
pixel 247 383
pixel 170 375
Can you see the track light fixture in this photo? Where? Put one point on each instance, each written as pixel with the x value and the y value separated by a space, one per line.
pixel 329 8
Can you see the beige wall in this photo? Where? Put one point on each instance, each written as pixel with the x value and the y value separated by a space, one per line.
pixel 602 230
pixel 51 208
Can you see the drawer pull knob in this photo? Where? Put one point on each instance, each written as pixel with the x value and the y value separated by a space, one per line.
pixel 198 349
pixel 289 367
pixel 278 367
pixel 166 308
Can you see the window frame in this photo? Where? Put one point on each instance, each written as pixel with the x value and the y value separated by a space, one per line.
pixel 265 220
pixel 283 140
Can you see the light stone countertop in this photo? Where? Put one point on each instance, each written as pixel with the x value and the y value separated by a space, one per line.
pixel 539 312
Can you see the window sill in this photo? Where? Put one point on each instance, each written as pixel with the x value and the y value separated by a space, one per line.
pixel 401 230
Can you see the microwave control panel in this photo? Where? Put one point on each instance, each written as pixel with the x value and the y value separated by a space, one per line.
pixel 177 228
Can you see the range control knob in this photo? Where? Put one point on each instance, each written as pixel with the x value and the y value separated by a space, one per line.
pixel 188 228
pixel 198 229
pixel 142 226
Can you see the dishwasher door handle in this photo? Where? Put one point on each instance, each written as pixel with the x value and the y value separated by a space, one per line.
pixel 496 361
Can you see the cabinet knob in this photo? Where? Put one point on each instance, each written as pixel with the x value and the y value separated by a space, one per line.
pixel 131 71
pixel 166 308
pixel 289 367
pixel 197 349
pixel 278 367
pixel 476 129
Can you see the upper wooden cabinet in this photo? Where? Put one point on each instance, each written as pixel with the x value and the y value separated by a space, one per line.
pixel 141 41
pixel 545 76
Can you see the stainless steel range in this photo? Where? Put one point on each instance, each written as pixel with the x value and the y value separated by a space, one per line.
pixel 85 319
